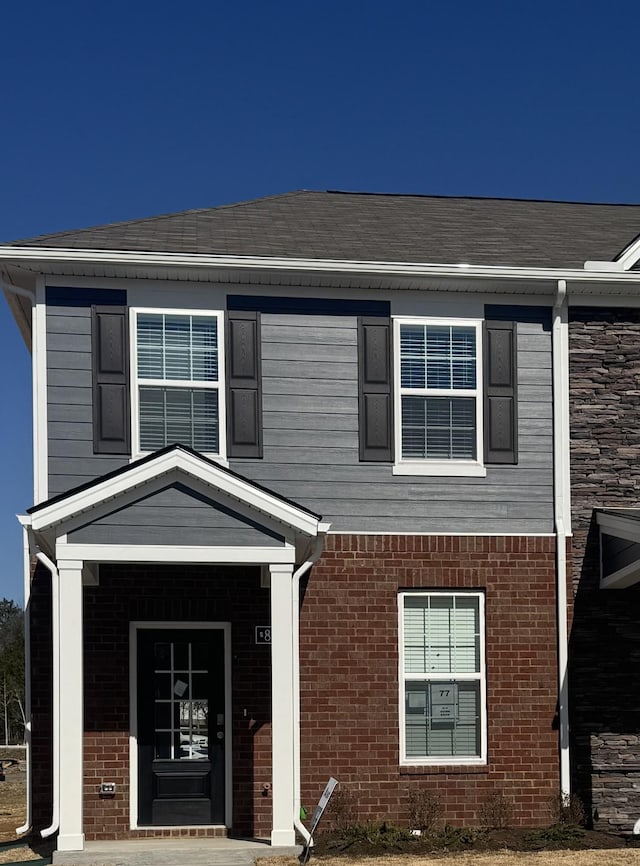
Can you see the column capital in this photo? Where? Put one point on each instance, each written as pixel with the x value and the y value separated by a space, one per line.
pixel 70 565
pixel 281 568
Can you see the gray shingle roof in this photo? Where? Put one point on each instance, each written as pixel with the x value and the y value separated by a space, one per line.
pixel 371 227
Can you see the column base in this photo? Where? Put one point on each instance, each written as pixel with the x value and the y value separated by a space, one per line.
pixel 283 838
pixel 70 843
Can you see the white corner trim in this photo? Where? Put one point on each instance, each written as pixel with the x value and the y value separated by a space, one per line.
pixel 191 465
pixel 176 553
pixel 39 388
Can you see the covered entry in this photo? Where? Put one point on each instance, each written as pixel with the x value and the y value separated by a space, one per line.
pixel 169 514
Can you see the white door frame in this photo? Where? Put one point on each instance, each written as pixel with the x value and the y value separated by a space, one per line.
pixel 134 626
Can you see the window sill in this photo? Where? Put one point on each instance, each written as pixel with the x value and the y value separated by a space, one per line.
pixel 443 468
pixel 442 769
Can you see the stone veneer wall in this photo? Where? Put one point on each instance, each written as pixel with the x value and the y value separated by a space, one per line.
pixel 604 678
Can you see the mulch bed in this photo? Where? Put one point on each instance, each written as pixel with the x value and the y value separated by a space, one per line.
pixel 470 840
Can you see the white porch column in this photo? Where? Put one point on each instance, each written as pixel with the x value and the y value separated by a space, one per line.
pixel 282 832
pixel 71 837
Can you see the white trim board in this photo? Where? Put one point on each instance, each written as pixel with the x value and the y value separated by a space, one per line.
pixel 174 553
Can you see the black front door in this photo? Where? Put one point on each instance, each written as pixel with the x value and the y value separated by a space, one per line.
pixel 181 725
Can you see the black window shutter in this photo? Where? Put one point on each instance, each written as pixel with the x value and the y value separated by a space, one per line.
pixel 244 384
pixel 500 393
pixel 374 389
pixel 110 353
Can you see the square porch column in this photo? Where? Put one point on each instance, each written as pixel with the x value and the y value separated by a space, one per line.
pixel 282 832
pixel 70 744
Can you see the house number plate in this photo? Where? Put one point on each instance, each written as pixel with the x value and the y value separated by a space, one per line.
pixel 263 634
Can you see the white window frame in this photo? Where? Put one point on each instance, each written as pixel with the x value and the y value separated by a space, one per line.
pixel 480 676
pixel 428 466
pixel 219 386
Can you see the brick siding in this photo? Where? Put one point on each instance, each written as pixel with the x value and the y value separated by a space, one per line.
pixel 349 665
pixel 349 676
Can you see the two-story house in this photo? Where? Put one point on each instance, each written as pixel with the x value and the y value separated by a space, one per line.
pixel 302 508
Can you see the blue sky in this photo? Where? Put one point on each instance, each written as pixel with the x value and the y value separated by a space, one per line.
pixel 121 110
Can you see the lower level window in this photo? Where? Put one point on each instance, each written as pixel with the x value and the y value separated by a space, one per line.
pixel 442 677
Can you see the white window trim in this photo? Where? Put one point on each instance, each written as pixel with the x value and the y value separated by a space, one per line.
pixel 455 467
pixel 220 387
pixel 481 677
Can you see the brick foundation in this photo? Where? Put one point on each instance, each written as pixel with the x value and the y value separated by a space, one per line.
pixel 349 676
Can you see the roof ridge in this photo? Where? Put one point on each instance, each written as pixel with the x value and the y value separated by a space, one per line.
pixel 480 198
pixel 159 217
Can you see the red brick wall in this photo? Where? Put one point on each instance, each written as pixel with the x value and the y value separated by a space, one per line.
pixel 349 676
pixel 165 594
pixel 349 669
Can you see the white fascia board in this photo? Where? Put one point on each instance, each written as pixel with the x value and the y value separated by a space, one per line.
pixel 40 256
pixel 619 526
pixel 191 465
pixel 625 261
pixel 604 267
pixel 239 555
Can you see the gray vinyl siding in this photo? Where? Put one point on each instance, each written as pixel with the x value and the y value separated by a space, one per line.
pixel 69 408
pixel 172 516
pixel 310 421
pixel 310 433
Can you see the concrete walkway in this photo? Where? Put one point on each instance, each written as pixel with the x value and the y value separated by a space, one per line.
pixel 172 852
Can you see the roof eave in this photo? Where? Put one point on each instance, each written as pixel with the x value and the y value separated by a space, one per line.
pixel 41 256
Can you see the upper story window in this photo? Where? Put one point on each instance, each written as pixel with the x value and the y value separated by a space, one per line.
pixel 442 678
pixel 177 393
pixel 438 398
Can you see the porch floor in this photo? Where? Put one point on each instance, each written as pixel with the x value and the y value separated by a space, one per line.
pixel 172 852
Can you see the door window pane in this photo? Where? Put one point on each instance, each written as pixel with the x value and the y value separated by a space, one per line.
pixel 181 712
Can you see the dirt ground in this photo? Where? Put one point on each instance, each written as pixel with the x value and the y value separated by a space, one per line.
pixel 495 858
pixel 12 794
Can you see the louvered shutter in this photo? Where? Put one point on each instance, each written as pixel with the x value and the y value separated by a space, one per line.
pixel 110 352
pixel 374 389
pixel 244 384
pixel 500 393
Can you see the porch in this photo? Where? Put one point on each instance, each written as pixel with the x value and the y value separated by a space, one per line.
pixel 174 852
pixel 162 577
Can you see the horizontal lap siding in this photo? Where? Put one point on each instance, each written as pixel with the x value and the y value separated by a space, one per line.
pixel 174 517
pixel 310 418
pixel 69 409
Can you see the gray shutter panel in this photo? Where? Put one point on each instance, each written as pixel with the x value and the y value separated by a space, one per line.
pixel 244 385
pixel 500 393
pixel 110 353
pixel 374 389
